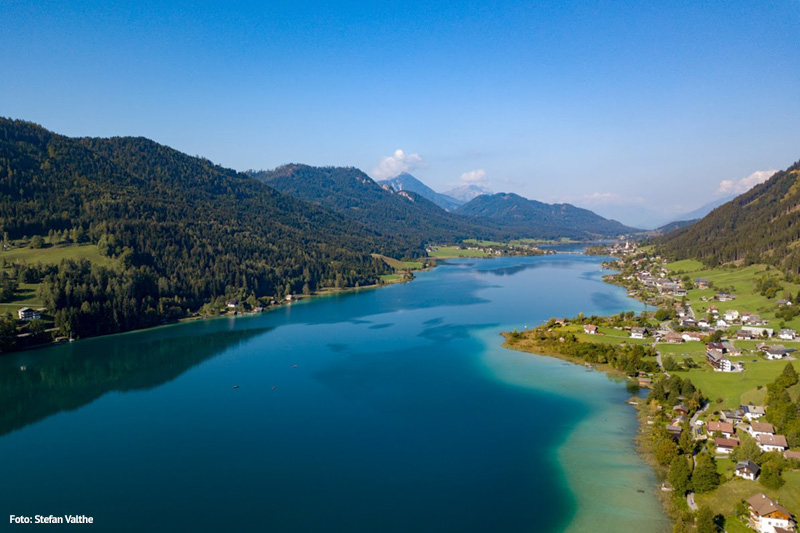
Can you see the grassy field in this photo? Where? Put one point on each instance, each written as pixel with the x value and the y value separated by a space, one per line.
pixel 476 242
pixel 687 265
pixel 606 335
pixel 731 387
pixel 55 254
pixel 399 265
pixel 450 252
pixel 740 281
pixel 728 494
pixel 26 293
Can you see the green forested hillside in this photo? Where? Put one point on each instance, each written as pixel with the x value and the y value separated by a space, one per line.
pixel 404 217
pixel 181 229
pixel 760 226
pixel 538 219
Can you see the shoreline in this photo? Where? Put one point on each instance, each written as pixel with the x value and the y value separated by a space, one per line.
pixel 325 292
pixel 321 293
pixel 643 446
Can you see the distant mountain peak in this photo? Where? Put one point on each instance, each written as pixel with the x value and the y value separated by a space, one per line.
pixel 406 182
pixel 466 193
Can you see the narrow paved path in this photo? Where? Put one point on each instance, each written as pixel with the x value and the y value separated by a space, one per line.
pixel 690 501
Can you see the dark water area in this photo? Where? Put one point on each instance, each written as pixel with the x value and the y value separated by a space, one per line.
pixel 382 410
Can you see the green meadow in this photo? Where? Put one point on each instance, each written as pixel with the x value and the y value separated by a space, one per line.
pixel 50 254
pixel 451 252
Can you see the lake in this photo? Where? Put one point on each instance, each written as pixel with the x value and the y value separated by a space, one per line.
pixel 379 410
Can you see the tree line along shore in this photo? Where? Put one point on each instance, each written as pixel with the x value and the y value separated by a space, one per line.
pixel 61 287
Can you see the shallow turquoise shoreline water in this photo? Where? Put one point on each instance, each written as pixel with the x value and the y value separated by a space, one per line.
pixel 402 413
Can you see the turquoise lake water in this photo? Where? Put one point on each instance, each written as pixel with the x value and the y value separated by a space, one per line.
pixel 403 413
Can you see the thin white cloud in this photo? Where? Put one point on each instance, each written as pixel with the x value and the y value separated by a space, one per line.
pixel 397 163
pixel 473 176
pixel 745 184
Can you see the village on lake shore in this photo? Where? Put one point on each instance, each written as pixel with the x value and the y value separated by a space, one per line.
pixel 721 423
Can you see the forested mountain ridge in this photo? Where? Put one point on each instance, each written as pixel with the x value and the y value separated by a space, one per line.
pixel 404 216
pixel 543 220
pixel 183 230
pixel 759 226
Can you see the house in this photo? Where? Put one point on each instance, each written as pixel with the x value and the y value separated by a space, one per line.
pixel 791 455
pixel 680 293
pixel 787 334
pixel 702 283
pixel 726 428
pixel 561 321
pixel 722 324
pixel 745 335
pixel 747 470
pixel 783 302
pixel 590 329
pixel 680 311
pixel 753 412
pixel 757 331
pixel 753 319
pixel 638 333
pixel 725 297
pixel 774 352
pixel 730 349
pixel 682 409
pixel 724 445
pixel 232 304
pixel 703 323
pixel 713 309
pixel 645 382
pixel 688 322
pixel 760 428
pixel 767 516
pixel 772 443
pixel 734 416
pixel 731 315
pixel 692 336
pixel 673 338
pixel 675 429
pixel 26 313
pixel 721 363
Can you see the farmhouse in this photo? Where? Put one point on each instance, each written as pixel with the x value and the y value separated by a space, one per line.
pixel 753 412
pixel 772 443
pixel 731 315
pixel 726 428
pixel 774 352
pixel 747 470
pixel 731 415
pixel 724 445
pixel 758 331
pixel 766 516
pixel 26 313
pixel 760 428
pixel 590 329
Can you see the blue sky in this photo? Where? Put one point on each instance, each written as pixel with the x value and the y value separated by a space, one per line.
pixel 637 110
